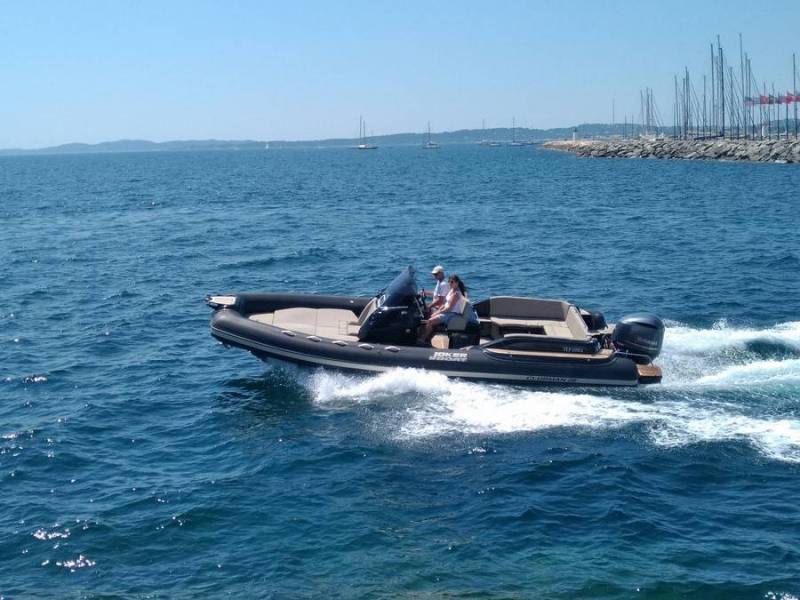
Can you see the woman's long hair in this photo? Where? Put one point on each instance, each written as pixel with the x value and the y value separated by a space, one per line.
pixel 461 287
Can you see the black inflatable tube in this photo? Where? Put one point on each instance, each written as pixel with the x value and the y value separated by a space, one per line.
pixel 251 303
pixel 232 327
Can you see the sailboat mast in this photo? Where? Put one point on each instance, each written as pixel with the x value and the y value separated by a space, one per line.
pixel 796 99
pixel 741 70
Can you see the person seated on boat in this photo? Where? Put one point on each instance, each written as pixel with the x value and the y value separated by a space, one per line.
pixel 456 303
pixel 439 293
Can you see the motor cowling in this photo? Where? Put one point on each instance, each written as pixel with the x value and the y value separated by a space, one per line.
pixel 639 334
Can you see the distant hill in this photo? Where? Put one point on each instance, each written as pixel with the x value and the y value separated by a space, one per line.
pixel 465 136
pixel 461 136
pixel 142 146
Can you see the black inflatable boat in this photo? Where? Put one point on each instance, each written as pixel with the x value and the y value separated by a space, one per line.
pixel 517 340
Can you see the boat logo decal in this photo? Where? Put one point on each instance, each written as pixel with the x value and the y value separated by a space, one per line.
pixel 449 356
pixel 549 379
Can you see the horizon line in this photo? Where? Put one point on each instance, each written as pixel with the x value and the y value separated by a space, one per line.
pixel 303 141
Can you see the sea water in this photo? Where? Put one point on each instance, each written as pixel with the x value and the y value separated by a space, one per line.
pixel 139 458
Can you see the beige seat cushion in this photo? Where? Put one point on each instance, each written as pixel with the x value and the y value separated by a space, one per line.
pixel 573 328
pixel 558 329
pixel 303 320
pixel 550 328
pixel 440 341
pixel 324 322
pixel 330 316
pixel 576 324
pixel 265 318
pixel 521 322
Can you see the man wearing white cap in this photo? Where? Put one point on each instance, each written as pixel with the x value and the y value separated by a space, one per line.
pixel 439 293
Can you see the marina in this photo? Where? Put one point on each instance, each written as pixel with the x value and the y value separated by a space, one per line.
pixel 726 102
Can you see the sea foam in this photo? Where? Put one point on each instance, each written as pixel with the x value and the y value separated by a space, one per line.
pixel 725 355
pixel 430 404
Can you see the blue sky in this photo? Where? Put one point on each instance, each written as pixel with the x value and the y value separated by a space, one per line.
pixel 92 71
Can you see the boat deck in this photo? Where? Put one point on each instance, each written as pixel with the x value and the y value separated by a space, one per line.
pixel 542 320
pixel 334 323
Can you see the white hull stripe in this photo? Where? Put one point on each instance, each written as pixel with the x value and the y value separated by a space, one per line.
pixel 341 364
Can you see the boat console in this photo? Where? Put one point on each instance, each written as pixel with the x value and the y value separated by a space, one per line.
pixel 396 313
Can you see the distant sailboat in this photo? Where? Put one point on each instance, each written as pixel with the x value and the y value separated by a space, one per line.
pixel 484 141
pixel 362 136
pixel 430 144
pixel 514 141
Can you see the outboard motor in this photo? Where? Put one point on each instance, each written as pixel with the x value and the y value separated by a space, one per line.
pixel 639 335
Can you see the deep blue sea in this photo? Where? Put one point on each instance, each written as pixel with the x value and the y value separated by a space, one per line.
pixel 139 458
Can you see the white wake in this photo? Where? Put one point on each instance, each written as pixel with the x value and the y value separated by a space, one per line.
pixel 722 355
pixel 684 411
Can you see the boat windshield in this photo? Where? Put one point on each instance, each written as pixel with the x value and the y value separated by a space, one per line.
pixel 402 290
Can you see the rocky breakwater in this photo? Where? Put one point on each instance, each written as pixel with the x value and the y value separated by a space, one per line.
pixel 782 151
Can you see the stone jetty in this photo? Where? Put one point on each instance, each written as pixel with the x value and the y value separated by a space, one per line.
pixel 780 151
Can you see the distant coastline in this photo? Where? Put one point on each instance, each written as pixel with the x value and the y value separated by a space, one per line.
pixel 462 136
pixel 138 146
pixel 604 141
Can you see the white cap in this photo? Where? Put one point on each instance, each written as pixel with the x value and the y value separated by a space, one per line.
pixel 437 269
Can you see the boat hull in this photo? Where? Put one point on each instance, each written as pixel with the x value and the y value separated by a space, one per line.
pixel 233 328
